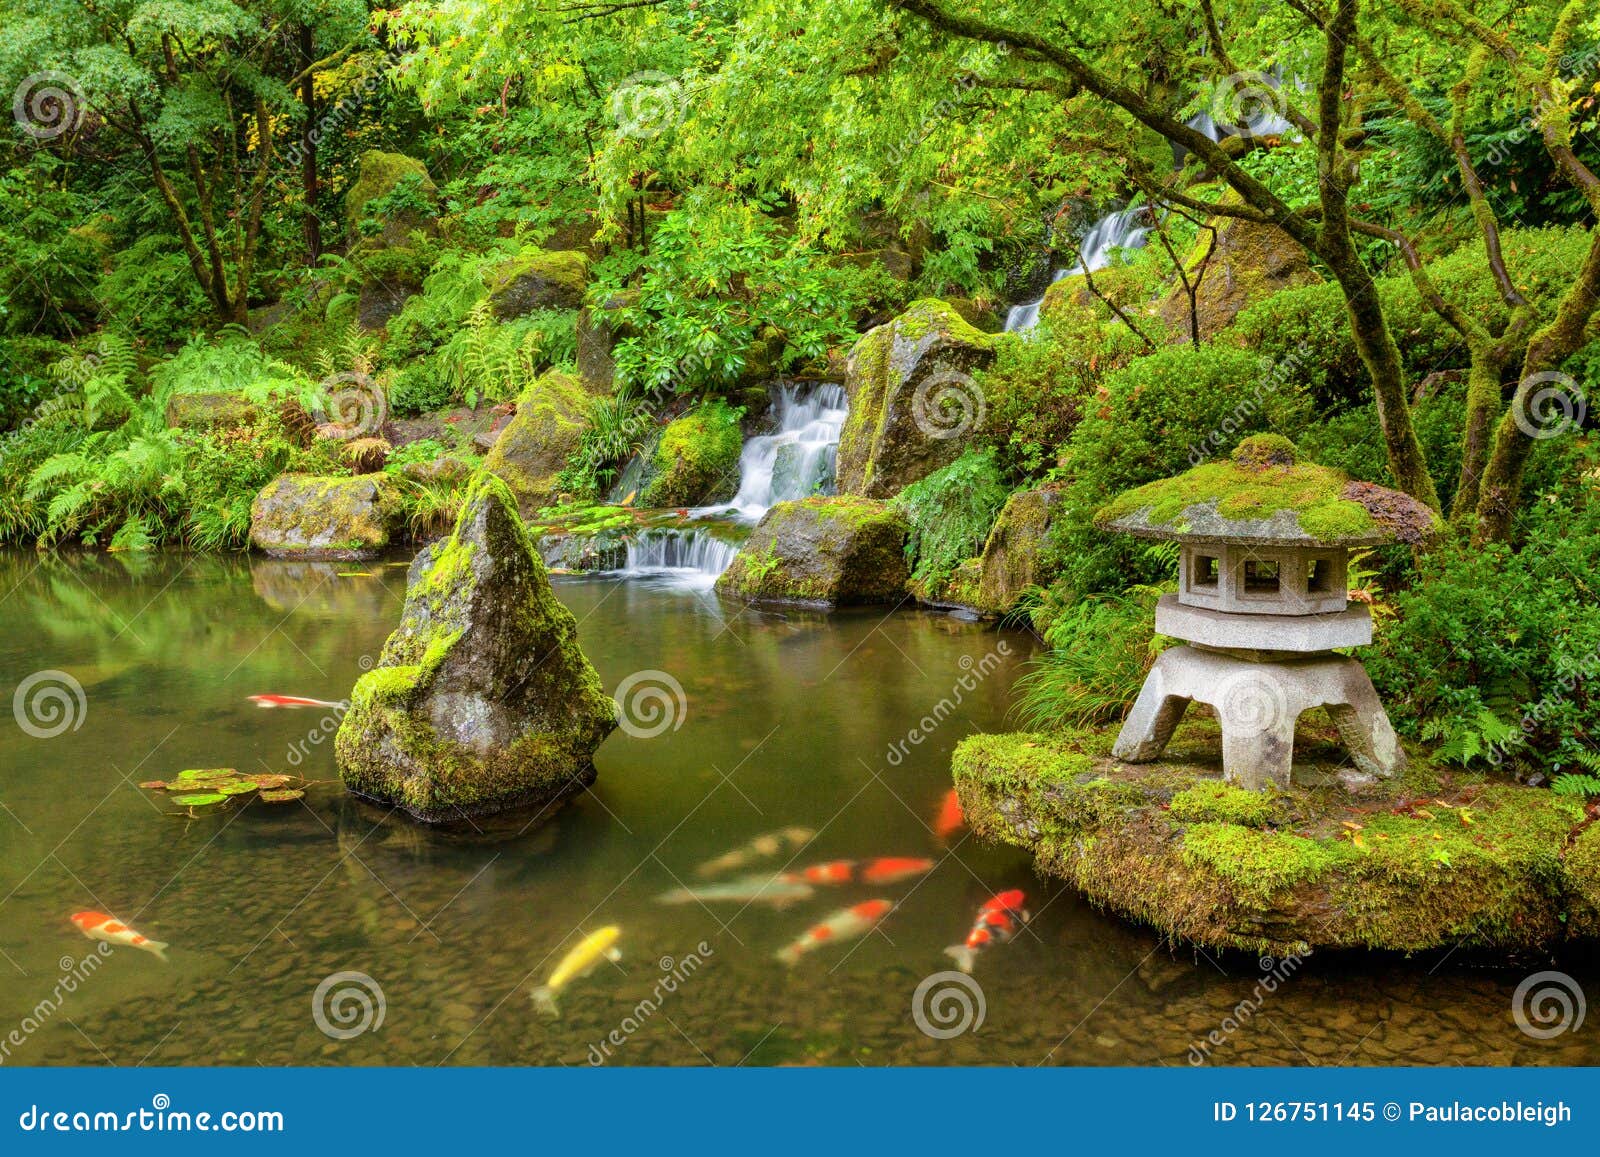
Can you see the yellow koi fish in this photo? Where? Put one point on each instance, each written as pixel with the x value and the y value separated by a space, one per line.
pixel 581 961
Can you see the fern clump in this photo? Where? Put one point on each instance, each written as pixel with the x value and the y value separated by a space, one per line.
pixel 950 512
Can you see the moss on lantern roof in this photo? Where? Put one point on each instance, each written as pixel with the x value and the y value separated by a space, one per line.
pixel 1264 493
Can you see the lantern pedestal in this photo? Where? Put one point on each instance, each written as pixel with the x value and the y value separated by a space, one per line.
pixel 1257 704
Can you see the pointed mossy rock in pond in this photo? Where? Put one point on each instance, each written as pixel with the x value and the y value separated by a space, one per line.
pixel 696 459
pixel 914 406
pixel 481 700
pixel 1438 860
pixel 537 279
pixel 534 447
pixel 837 551
pixel 312 517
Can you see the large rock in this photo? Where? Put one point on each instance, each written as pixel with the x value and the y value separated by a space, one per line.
pixel 696 460
pixel 1015 556
pixel 380 173
pixel 552 414
pixel 836 551
pixel 1251 262
pixel 537 279
pixel 310 517
pixel 481 700
pixel 914 405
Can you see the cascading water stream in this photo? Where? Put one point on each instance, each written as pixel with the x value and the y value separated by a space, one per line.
pixel 1122 229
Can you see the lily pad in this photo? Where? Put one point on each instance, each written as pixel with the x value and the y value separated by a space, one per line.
pixel 238 787
pixel 203 799
pixel 281 795
pixel 270 781
pixel 203 775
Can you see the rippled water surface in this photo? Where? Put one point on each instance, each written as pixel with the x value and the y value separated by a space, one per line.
pixel 791 717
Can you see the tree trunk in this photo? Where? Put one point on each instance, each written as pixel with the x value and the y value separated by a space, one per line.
pixel 308 150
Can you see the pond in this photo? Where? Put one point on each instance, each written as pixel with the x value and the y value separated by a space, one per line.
pixel 842 723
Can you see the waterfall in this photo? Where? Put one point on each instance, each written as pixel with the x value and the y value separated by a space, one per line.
pixel 687 557
pixel 1122 229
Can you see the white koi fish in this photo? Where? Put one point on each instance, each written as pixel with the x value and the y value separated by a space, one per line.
pixel 761 848
pixel 99 926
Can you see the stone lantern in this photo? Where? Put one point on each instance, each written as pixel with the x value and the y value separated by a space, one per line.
pixel 1264 544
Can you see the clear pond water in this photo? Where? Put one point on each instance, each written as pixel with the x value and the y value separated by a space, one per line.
pixel 790 720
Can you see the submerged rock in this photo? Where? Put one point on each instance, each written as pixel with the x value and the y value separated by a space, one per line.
pixel 823 550
pixel 1438 861
pixel 481 700
pixel 914 404
pixel 311 517
pixel 536 445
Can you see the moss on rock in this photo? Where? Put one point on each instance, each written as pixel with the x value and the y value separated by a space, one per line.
pixel 536 444
pixel 481 700
pixel 1449 860
pixel 823 550
pixel 537 279
pixel 696 460
pixel 1250 262
pixel 1014 555
pixel 380 173
pixel 313 517
pixel 914 406
pixel 204 409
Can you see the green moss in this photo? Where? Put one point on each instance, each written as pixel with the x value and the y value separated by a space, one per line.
pixel 834 550
pixel 536 445
pixel 380 173
pixel 305 515
pixel 537 279
pixel 1254 862
pixel 1215 801
pixel 697 459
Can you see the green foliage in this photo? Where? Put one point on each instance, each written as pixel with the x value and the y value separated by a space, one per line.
pixel 950 513
pixel 49 257
pixel 1576 784
pixel 150 292
pixel 696 459
pixel 1101 649
pixel 617 429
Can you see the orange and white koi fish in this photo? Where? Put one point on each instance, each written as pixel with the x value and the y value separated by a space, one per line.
pixel 779 891
pixel 950 819
pixel 293 701
pixel 999 919
pixel 761 848
pixel 99 926
pixel 833 872
pixel 845 924
pixel 884 870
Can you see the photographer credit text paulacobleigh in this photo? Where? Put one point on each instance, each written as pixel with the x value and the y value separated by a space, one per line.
pixel 1260 607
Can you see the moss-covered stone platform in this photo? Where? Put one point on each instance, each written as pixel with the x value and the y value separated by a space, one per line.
pixel 1434 859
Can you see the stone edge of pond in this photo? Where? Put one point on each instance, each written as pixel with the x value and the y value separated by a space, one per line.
pixel 1436 859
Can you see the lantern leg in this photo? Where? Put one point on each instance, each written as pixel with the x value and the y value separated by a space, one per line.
pixel 1155 716
pixel 1364 725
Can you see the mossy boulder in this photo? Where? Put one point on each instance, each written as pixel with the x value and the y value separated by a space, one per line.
pixel 379 175
pixel 1439 860
pixel 481 700
pixel 1015 555
pixel 537 279
pixel 552 414
pixel 1120 286
pixel 835 551
pixel 312 517
pixel 204 409
pixel 1250 263
pixel 696 460
pixel 914 404
pixel 1263 493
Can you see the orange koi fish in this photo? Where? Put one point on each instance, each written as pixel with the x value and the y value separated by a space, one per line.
pixel 99 926
pixel 950 819
pixel 833 872
pixel 845 924
pixel 999 920
pixel 893 869
pixel 292 701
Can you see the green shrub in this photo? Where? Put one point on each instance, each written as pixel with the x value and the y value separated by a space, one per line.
pixel 1100 651
pixel 950 512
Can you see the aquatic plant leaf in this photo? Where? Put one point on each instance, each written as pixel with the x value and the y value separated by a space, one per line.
pixel 154 785
pixel 239 787
pixel 203 775
pixel 203 799
pixel 281 796
pixel 270 781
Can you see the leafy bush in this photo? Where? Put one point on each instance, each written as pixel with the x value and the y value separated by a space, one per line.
pixel 950 512
pixel 1101 649
pixel 429 318
pixel 151 292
